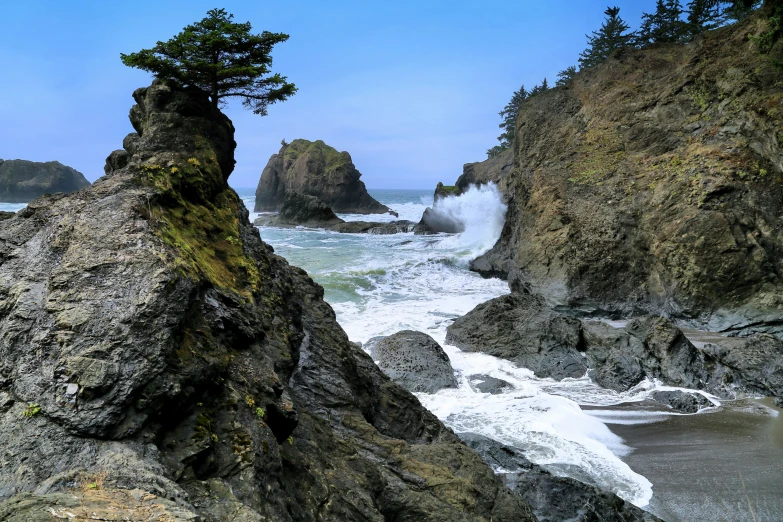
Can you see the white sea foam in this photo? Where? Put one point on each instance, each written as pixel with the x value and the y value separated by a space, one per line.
pixel 379 285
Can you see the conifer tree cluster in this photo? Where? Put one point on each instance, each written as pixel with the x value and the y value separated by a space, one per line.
pixel 509 115
pixel 670 22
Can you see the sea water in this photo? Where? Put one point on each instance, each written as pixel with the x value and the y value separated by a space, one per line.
pixel 381 284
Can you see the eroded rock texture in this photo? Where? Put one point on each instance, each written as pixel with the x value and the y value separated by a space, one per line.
pixel 654 183
pixel 156 356
pixel 315 169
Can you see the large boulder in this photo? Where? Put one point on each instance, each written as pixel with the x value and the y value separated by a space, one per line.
pixel 522 328
pixel 652 184
pixel 299 209
pixel 22 181
pixel 314 169
pixel 414 360
pixel 553 498
pixel 158 360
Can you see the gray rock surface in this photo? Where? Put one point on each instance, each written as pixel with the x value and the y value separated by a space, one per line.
pixel 651 185
pixel 681 401
pixel 488 384
pixel 309 211
pixel 437 221
pixel 314 169
pixel 414 360
pixel 299 209
pixel 522 328
pixel 158 360
pixel 22 181
pixel 553 498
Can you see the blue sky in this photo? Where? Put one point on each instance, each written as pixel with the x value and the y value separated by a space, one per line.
pixel 410 88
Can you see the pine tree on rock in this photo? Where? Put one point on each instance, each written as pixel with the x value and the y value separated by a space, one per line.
pixel 509 115
pixel 605 41
pixel 664 25
pixel 222 58
pixel 565 76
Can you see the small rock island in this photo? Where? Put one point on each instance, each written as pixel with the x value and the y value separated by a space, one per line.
pixel 22 181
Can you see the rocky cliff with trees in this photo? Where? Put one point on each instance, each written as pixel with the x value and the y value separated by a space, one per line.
pixel 654 182
pixel 22 181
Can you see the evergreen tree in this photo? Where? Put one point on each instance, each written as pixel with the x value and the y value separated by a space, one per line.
pixel 509 115
pixel 606 40
pixel 664 25
pixel 543 86
pixel 222 58
pixel 565 76
pixel 703 15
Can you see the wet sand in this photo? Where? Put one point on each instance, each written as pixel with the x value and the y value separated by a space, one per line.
pixel 721 466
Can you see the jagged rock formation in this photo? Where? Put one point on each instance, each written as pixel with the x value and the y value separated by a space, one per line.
pixel 314 169
pixel 309 211
pixel 654 183
pixel 414 360
pixel 158 359
pixel 553 498
pixel 492 170
pixel 22 181
pixel 521 327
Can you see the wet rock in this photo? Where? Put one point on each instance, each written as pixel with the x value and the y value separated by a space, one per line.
pixel 309 211
pixel 314 169
pixel 22 181
pixel 648 347
pixel 414 360
pixel 488 384
pixel 523 329
pixel 437 221
pixel 553 498
pixel 681 401
pixel 444 191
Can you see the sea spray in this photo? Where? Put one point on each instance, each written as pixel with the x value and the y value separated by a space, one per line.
pixel 481 212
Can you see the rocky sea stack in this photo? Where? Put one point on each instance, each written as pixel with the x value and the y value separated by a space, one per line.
pixel 653 183
pixel 22 181
pixel 313 168
pixel 161 362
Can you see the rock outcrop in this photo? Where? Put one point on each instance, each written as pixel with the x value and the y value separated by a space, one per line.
pixel 22 181
pixel 159 360
pixel 522 328
pixel 414 360
pixel 553 498
pixel 492 170
pixel 314 169
pixel 654 183
pixel 309 211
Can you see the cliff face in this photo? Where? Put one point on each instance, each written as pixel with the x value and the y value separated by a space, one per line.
pixel 22 181
pixel 655 182
pixel 158 360
pixel 314 169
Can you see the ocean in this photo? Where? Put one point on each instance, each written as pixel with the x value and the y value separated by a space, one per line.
pixel 381 284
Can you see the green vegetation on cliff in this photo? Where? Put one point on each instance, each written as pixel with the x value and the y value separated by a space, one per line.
pixel 222 58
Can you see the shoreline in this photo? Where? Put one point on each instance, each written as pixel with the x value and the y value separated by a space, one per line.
pixel 725 465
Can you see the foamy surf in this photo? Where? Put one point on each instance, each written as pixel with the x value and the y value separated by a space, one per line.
pixel 379 285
